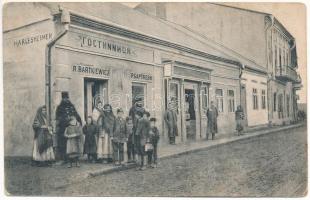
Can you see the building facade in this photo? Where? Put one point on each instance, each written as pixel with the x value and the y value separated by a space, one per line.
pixel 96 51
pixel 267 50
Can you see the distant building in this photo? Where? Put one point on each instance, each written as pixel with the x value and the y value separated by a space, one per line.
pixel 269 80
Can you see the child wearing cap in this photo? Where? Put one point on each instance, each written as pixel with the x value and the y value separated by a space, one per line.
pixel 155 139
pixel 119 137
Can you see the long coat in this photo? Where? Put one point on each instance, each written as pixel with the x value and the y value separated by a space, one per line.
pixel 171 120
pixel 120 132
pixel 90 132
pixel 212 120
pixel 143 129
pixel 63 112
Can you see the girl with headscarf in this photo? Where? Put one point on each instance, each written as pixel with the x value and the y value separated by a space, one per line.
pixel 106 123
pixel 43 153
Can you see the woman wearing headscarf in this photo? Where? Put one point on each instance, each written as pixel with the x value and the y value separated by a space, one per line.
pixel 43 153
pixel 106 123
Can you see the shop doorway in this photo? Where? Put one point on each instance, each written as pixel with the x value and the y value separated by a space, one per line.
pixel 138 93
pixel 95 90
pixel 190 105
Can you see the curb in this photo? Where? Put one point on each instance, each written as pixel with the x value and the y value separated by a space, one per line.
pixel 184 152
pixel 191 149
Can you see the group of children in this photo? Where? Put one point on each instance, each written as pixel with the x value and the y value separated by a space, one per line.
pixel 139 132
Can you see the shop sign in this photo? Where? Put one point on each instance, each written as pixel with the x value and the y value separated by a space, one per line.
pixel 141 77
pixel 32 39
pixel 91 70
pixel 107 45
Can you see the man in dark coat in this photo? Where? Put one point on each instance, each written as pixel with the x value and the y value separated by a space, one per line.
pixel 212 114
pixel 63 112
pixel 141 134
pixel 171 120
pixel 135 110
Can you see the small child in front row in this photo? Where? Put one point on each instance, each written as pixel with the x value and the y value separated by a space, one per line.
pixel 130 140
pixel 73 133
pixel 155 139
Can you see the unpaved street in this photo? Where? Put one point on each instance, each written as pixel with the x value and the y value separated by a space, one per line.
pixel 270 165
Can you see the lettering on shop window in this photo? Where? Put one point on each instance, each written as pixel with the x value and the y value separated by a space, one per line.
pixel 91 70
pixel 141 76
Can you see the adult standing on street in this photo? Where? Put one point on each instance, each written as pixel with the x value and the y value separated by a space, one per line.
pixel 97 111
pixel 212 115
pixel 106 124
pixel 63 112
pixel 134 112
pixel 239 116
pixel 171 120
pixel 43 153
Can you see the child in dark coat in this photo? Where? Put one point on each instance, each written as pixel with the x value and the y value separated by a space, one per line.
pixel 130 140
pixel 155 139
pixel 90 131
pixel 119 138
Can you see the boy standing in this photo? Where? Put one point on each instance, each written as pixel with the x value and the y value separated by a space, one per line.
pixel 130 140
pixel 155 139
pixel 142 132
pixel 119 138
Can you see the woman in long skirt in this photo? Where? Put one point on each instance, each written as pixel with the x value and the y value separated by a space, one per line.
pixel 43 153
pixel 106 127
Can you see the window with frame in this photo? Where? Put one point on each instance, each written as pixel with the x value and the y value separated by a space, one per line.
pixel 174 95
pixel 263 99
pixel 231 100
pixel 255 100
pixel 138 92
pixel 205 97
pixel 288 105
pixel 275 101
pixel 219 100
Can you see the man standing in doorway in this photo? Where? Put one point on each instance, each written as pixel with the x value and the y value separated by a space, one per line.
pixel 171 120
pixel 212 114
pixel 63 112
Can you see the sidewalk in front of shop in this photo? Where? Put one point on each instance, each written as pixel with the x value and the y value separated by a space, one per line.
pixel 58 176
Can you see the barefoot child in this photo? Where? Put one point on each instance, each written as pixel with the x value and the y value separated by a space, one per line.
pixel 73 134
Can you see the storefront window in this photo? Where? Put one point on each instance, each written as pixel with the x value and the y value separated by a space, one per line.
pixel 204 97
pixel 255 101
pixel 231 100
pixel 280 105
pixel 138 92
pixel 275 101
pixel 174 94
pixel 288 105
pixel 219 100
pixel 263 99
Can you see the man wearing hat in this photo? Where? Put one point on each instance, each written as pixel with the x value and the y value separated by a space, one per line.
pixel 136 110
pixel 63 112
pixel 119 137
pixel 171 120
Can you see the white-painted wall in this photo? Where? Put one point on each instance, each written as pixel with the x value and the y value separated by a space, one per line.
pixel 259 116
